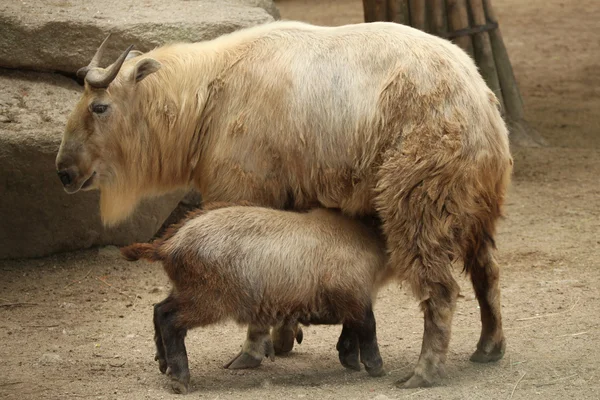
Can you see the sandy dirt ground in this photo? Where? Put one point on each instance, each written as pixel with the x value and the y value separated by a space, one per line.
pixel 79 325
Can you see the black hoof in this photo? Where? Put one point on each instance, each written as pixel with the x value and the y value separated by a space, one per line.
pixel 348 352
pixel 495 354
pixel 162 364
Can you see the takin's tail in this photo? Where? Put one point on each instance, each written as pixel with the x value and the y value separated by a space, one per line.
pixel 145 251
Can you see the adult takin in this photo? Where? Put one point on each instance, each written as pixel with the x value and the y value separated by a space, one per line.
pixel 260 266
pixel 373 119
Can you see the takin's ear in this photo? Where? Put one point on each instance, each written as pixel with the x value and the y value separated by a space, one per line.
pixel 143 68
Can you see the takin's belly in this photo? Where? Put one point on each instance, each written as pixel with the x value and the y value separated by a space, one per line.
pixel 288 188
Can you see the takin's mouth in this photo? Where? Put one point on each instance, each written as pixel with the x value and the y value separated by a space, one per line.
pixel 88 184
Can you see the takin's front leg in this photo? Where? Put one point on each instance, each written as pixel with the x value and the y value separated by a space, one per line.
pixel 258 345
pixel 173 339
pixel 283 336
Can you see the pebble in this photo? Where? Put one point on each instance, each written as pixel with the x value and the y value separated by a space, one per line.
pixel 49 358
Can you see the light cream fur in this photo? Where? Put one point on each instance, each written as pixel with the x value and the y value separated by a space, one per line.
pixel 286 108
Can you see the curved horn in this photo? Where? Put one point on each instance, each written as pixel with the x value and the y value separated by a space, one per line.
pixel 95 60
pixel 101 78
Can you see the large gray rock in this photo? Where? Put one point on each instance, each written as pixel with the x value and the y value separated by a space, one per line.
pixel 36 216
pixel 63 35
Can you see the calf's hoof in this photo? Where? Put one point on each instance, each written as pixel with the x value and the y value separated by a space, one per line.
pixel 350 361
pixel 376 371
pixel 162 364
pixel 179 381
pixel 489 353
pixel 348 352
pixel 179 387
pixel 371 359
pixel 374 367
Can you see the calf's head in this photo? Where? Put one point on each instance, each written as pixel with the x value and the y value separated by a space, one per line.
pixel 102 129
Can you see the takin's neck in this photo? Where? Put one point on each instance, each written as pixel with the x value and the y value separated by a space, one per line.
pixel 172 107
pixel 176 117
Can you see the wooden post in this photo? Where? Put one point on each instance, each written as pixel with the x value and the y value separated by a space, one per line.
pixel 418 14
pixel 398 12
pixel 438 24
pixel 521 133
pixel 484 56
pixel 375 10
pixel 512 98
pixel 458 18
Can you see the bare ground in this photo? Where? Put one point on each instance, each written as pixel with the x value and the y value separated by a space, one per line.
pixel 78 325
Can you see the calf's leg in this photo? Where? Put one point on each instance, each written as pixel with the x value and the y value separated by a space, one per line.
pixel 173 338
pixel 258 345
pixel 160 356
pixel 365 331
pixel 283 336
pixel 348 348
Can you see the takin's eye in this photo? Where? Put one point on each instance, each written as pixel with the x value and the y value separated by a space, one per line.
pixel 99 108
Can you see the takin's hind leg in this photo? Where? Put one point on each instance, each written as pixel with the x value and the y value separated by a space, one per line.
pixel 419 205
pixel 258 345
pixel 485 276
pixel 283 336
pixel 173 338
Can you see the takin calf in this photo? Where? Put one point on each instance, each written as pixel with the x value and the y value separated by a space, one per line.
pixel 262 266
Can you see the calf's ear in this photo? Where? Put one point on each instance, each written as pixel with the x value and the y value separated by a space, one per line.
pixel 143 68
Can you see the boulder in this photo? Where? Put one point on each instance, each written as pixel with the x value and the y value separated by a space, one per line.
pixel 64 35
pixel 37 217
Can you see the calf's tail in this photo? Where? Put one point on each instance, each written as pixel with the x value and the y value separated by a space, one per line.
pixel 145 251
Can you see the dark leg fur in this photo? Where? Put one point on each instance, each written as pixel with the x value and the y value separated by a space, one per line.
pixel 365 331
pixel 160 347
pixel 173 339
pixel 348 348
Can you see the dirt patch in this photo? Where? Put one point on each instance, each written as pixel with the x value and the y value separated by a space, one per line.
pixel 83 326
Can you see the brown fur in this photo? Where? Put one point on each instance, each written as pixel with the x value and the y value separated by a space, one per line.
pixel 371 119
pixel 258 265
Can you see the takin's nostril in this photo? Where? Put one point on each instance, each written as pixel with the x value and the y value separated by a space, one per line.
pixel 65 177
